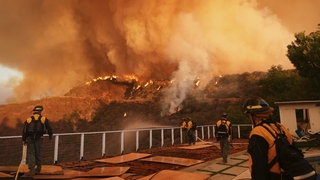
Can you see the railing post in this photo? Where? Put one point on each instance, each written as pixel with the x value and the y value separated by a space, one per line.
pixel 56 149
pixel 172 136
pixel 238 131
pixel 213 131
pixel 208 132
pixel 181 136
pixel 162 138
pixel 82 146
pixel 202 132
pixel 137 140
pixel 150 138
pixel 103 144
pixel 196 134
pixel 122 142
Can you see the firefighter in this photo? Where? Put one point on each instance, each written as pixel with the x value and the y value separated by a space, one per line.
pixel 263 163
pixel 191 131
pixel 32 136
pixel 224 134
pixel 184 129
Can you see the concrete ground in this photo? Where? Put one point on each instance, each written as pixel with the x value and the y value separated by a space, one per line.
pixel 237 166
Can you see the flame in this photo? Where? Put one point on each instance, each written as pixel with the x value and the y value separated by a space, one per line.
pixel 130 77
pixel 178 109
pixel 198 81
pixel 101 78
pixel 218 79
pixel 125 114
pixel 158 88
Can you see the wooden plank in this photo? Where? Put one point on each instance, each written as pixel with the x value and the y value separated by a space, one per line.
pixel 124 158
pixel 173 160
pixel 108 171
pixel 175 175
pixel 109 178
pixel 200 146
pixel 2 175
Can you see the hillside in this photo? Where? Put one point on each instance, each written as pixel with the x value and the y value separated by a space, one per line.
pixel 107 104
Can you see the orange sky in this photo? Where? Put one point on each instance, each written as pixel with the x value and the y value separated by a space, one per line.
pixel 60 44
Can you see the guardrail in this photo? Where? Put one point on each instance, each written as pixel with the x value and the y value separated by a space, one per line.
pixel 65 147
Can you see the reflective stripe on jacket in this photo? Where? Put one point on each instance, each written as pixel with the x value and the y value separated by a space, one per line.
pixel 262 132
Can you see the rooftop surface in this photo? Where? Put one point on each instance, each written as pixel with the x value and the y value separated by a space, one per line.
pixel 199 161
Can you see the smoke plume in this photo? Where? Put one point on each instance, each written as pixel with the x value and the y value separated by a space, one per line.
pixel 57 45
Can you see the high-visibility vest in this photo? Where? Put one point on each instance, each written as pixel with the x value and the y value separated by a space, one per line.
pixel 223 122
pixel 261 131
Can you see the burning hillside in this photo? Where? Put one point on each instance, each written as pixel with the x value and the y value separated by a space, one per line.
pixel 108 104
pixel 62 44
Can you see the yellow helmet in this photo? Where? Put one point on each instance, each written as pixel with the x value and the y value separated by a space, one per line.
pixel 256 106
pixel 38 108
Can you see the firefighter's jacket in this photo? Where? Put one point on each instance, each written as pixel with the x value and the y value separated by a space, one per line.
pixel 189 125
pixel 183 125
pixel 265 134
pixel 44 121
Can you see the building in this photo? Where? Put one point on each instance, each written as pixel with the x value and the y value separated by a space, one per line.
pixel 300 115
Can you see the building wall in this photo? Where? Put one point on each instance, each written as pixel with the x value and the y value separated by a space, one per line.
pixel 288 115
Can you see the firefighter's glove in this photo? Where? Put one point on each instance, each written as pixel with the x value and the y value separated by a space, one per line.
pixel 229 139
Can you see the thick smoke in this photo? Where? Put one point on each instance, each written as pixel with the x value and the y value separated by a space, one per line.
pixel 60 44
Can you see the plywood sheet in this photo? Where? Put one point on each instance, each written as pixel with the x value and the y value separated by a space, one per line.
pixel 51 169
pixel 173 160
pixel 46 169
pixel 109 178
pixel 108 171
pixel 74 173
pixel 200 146
pixel 51 176
pixel 67 174
pixel 124 158
pixel 8 168
pixel 2 175
pixel 95 172
pixel 175 175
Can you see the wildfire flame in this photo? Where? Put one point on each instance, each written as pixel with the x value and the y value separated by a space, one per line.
pixel 113 77
pixel 198 81
pixel 218 79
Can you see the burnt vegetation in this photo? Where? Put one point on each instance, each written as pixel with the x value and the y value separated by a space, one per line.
pixel 111 105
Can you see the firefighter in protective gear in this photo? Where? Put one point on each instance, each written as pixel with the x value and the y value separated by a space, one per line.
pixel 190 132
pixel 223 134
pixel 184 130
pixel 261 148
pixel 32 135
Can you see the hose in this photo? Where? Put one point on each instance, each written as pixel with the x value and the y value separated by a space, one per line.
pixel 23 155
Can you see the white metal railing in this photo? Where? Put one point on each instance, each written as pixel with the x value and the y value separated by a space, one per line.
pixel 206 132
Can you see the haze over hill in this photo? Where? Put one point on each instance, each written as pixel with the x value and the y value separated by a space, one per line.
pixel 58 45
pixel 107 104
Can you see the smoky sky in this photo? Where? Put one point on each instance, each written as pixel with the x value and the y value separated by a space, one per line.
pixel 60 44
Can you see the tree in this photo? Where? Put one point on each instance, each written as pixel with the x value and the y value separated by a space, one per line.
pixel 304 53
pixel 282 85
